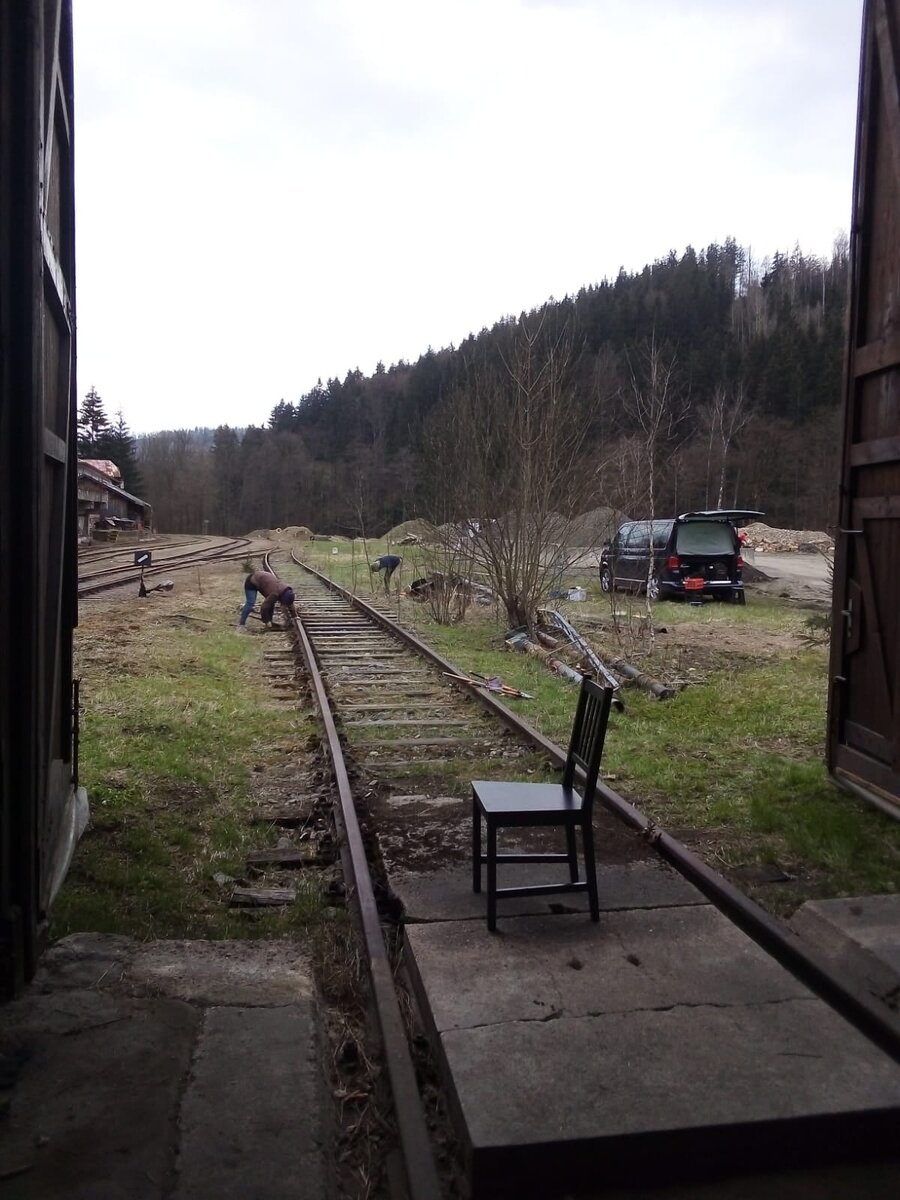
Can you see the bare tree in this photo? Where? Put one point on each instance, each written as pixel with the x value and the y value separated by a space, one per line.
pixel 722 419
pixel 655 406
pixel 512 458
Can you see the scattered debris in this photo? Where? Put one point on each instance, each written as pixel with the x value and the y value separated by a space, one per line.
pixel 493 683
pixel 421 589
pixel 554 620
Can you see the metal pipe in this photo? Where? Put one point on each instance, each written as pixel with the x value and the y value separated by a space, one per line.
pixel 641 678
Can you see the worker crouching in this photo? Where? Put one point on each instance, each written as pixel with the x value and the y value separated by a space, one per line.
pixel 275 591
pixel 389 564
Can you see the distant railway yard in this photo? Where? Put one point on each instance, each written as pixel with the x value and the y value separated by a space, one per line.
pixel 310 787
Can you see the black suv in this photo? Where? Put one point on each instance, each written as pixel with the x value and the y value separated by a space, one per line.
pixel 697 554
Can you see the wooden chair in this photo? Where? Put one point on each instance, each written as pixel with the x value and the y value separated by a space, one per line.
pixel 553 804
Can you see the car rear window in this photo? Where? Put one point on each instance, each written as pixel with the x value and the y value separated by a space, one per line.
pixel 705 537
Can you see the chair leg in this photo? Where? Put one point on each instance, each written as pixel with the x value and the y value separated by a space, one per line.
pixel 587 835
pixel 572 852
pixel 476 846
pixel 491 875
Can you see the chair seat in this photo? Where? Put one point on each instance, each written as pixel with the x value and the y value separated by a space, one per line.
pixel 551 798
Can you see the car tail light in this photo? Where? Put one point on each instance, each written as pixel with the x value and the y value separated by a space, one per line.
pixel 740 562
pixel 673 562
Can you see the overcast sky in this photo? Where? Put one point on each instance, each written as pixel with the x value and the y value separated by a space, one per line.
pixel 273 191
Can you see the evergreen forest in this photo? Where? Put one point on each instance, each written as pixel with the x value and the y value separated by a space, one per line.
pixel 705 380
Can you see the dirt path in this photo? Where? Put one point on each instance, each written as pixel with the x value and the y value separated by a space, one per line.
pixel 802 578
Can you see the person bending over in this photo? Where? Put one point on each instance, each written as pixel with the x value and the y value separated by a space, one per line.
pixel 389 564
pixel 275 591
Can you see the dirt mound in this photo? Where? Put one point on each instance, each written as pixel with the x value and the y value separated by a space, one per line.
pixel 297 533
pixel 415 528
pixel 768 540
pixel 595 528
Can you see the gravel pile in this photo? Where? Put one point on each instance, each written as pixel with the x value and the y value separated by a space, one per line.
pixel 778 541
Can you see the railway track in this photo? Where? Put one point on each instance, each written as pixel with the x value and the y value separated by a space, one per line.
pixel 90 555
pixel 103 578
pixel 399 716
pixel 394 720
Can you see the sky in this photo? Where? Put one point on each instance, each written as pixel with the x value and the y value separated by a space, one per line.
pixel 270 192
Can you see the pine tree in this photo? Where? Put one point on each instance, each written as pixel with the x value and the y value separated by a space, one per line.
pixel 93 426
pixel 123 452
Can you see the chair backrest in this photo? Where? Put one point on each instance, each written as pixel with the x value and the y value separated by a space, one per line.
pixel 588 735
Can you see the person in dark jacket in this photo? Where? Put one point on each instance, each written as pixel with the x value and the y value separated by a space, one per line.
pixel 275 591
pixel 389 564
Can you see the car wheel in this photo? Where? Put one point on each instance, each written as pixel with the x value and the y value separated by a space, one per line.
pixel 739 597
pixel 606 583
pixel 652 588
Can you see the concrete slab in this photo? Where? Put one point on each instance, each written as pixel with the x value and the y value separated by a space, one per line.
pixel 446 895
pixel 663 1070
pixel 93 1113
pixel 250 1119
pixel 872 922
pixel 544 968
pixel 637 1044
pixel 640 1095
pixel 148 1071
pixel 243 974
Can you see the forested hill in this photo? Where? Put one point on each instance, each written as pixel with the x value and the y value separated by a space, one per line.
pixel 751 355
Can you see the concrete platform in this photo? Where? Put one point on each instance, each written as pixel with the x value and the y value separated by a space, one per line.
pixel 871 923
pixel 660 1044
pixel 177 1070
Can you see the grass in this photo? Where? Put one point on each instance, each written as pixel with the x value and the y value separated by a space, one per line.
pixel 177 732
pixel 178 722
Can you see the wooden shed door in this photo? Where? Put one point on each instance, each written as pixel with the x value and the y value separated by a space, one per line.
pixel 58 528
pixel 864 717
pixel 38 552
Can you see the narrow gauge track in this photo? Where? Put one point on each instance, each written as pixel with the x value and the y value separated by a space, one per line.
pixel 106 551
pixel 92 582
pixel 357 660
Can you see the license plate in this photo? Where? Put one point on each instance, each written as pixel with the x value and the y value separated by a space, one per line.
pixel 694 585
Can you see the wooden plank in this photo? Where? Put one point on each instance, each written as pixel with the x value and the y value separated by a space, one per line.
pixel 879 450
pixel 889 60
pixel 878 355
pixel 441 722
pixel 875 508
pixel 390 743
pixel 281 816
pixel 868 770
pixel 262 897
pixel 867 741
pixel 288 858
pixel 54 446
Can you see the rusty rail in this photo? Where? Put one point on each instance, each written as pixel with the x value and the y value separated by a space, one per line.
pixel 421 1178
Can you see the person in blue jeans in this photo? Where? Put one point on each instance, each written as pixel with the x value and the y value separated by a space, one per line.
pixel 389 564
pixel 275 590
